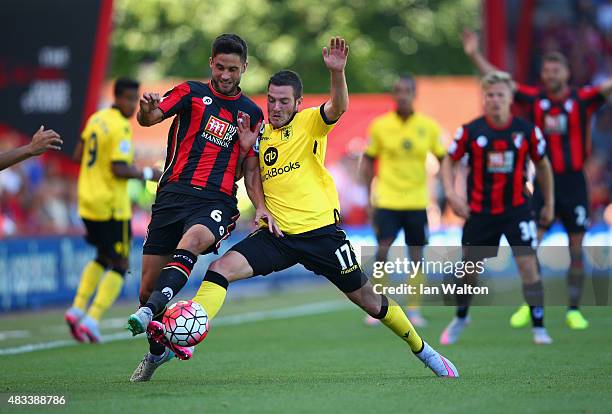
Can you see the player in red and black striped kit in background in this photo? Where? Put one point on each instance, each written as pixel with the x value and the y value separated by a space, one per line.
pixel 563 114
pixel 195 207
pixel 499 147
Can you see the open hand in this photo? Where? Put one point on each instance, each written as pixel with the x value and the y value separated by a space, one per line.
pixel 44 140
pixel 470 42
pixel 336 56
pixel 246 136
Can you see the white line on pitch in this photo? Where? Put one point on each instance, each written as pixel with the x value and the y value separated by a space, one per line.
pixel 273 314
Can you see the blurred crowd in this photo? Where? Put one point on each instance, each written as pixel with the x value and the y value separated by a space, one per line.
pixel 582 30
pixel 39 196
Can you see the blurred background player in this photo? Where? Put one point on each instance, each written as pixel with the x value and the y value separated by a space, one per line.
pixel 304 202
pixel 400 141
pixel 563 114
pixel 106 154
pixel 42 140
pixel 196 207
pixel 499 146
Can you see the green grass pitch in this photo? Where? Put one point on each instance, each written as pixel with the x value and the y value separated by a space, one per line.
pixel 316 355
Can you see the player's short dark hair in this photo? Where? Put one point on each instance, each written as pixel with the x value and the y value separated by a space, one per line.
pixel 124 84
pixel 288 78
pixel 407 77
pixel 229 43
pixel 555 57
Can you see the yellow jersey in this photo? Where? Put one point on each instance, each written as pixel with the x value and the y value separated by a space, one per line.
pixel 299 191
pixel 107 137
pixel 401 147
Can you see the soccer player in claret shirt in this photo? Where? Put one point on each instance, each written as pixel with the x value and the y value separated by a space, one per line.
pixel 195 208
pixel 301 195
pixel 563 114
pixel 106 154
pixel 401 140
pixel 499 147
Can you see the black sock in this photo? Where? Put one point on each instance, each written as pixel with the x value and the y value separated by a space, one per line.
pixel 534 296
pixel 462 311
pixel 575 281
pixel 537 316
pixel 171 280
pixel 155 348
pixel 463 301
pixel 384 308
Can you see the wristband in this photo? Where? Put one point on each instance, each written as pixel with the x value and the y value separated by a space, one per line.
pixel 147 173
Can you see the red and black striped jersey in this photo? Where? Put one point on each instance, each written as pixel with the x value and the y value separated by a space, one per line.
pixel 203 149
pixel 498 160
pixel 564 122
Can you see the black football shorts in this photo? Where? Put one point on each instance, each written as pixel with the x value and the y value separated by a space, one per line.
pixel 482 233
pixel 174 213
pixel 571 201
pixel 112 238
pixel 324 251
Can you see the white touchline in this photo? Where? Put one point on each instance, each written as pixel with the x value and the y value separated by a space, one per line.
pixel 284 313
pixel 13 334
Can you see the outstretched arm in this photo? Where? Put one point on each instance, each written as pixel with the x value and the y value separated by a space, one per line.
pixel 42 141
pixel 122 169
pixel 335 60
pixel 472 50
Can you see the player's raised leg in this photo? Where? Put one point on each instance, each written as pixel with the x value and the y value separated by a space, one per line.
pixel 232 266
pixel 394 318
pixel 384 241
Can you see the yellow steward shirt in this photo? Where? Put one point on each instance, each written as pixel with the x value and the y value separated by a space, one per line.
pixel 107 137
pixel 401 148
pixel 299 191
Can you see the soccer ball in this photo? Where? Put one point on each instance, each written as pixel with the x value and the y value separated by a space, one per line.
pixel 186 323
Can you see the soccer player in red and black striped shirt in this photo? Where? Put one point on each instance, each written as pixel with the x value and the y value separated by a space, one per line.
pixel 195 208
pixel 563 113
pixel 499 147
